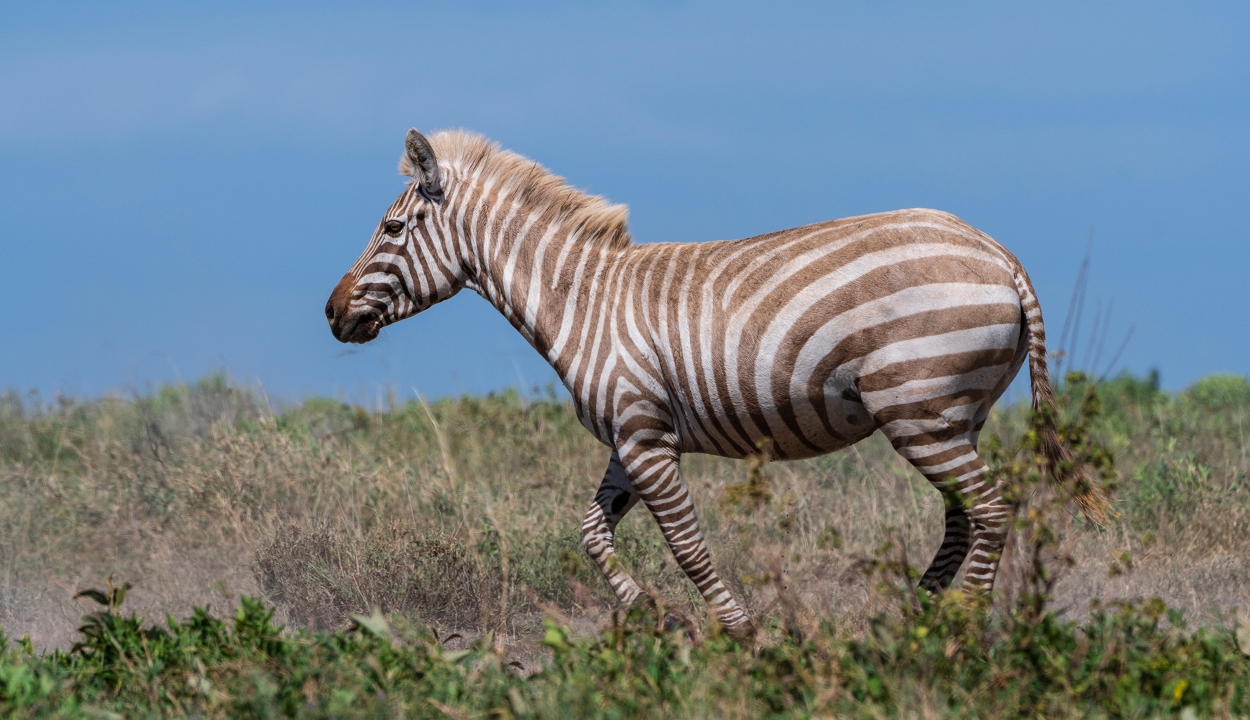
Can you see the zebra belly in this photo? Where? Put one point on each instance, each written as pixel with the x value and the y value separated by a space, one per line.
pixel 789 432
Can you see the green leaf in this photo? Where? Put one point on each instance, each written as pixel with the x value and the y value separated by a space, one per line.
pixel 457 656
pixel 374 625
pixel 555 638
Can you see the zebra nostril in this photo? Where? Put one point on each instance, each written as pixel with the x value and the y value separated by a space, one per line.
pixel 330 312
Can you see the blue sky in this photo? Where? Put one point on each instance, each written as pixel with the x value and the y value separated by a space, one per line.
pixel 182 184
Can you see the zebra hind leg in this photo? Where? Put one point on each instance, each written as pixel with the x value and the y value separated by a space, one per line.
pixel 955 543
pixel 977 517
pixel 615 498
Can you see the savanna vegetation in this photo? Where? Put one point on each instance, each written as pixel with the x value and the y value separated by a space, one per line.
pixel 422 559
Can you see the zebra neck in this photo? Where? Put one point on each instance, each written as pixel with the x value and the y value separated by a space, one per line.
pixel 543 281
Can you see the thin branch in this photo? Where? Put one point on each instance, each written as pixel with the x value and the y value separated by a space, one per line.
pixel 1086 366
pixel 1102 339
pixel 1071 329
pixel 1116 358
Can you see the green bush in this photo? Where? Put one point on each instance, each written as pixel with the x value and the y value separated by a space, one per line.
pixel 943 658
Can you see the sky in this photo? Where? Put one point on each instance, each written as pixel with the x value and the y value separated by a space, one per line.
pixel 182 184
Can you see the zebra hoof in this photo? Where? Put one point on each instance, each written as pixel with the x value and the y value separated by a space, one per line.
pixel 743 632
pixel 674 621
pixel 666 618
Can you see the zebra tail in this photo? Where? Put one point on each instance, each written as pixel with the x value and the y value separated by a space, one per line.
pixel 1089 494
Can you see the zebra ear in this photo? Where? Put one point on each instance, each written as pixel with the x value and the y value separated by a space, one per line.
pixel 423 166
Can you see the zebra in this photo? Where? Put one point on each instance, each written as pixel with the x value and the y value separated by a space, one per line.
pixel 808 340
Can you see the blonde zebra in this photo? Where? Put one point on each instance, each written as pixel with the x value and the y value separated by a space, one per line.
pixel 910 322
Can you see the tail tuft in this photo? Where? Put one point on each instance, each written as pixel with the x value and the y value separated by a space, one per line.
pixel 1088 492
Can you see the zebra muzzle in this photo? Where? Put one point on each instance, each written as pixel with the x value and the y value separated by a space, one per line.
pixel 357 328
pixel 351 325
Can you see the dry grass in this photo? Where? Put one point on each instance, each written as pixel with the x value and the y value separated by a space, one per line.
pixel 465 513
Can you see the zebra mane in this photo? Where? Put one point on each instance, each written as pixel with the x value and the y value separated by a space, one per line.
pixel 591 217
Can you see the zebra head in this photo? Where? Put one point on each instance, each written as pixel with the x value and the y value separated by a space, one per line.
pixel 407 266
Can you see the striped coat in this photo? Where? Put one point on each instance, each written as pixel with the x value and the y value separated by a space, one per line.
pixel 810 339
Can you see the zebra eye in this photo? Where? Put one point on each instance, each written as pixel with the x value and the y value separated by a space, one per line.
pixel 393 227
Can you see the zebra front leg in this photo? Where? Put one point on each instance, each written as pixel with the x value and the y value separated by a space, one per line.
pixel 614 499
pixel 656 476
